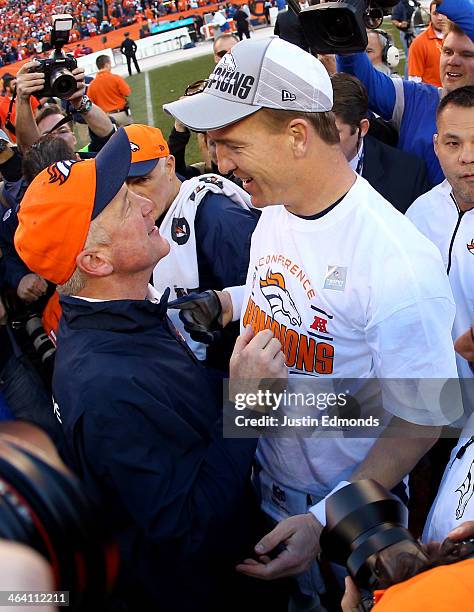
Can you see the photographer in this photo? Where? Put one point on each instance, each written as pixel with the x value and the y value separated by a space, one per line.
pixel 29 82
pixel 20 383
pixel 30 297
pixel 389 569
pixel 412 106
pixel 443 584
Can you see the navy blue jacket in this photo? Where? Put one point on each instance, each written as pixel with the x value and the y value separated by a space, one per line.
pixel 143 425
pixel 402 11
pixel 400 177
pixel 14 268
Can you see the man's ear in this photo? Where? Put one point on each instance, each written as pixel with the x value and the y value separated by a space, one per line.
pixel 94 263
pixel 170 165
pixel 364 127
pixel 298 132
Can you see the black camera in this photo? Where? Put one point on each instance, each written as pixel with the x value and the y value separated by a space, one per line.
pixel 340 26
pixel 57 70
pixel 42 343
pixel 43 505
pixel 25 322
pixel 365 531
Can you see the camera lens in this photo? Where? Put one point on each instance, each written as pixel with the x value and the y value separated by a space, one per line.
pixel 42 505
pixel 373 17
pixel 43 345
pixel 364 519
pixel 63 83
pixel 336 26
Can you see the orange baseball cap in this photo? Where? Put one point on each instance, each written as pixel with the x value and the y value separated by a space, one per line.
pixel 57 209
pixel 148 146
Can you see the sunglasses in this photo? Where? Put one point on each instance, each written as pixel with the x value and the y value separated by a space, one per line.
pixel 196 87
pixel 221 53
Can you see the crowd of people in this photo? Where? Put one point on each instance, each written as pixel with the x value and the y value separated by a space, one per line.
pixel 322 247
pixel 25 25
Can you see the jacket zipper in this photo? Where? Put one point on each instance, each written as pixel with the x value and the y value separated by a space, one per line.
pixel 176 335
pixel 460 216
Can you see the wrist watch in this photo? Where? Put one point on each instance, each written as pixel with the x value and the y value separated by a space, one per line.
pixel 85 105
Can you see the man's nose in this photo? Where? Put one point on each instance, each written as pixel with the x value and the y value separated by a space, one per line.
pixel 224 161
pixel 146 205
pixel 467 154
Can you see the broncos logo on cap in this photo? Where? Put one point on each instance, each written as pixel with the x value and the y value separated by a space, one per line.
pixel 59 172
pixel 134 147
pixel 228 63
pixel 465 489
pixel 274 289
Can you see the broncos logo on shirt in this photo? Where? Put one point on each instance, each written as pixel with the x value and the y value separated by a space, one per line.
pixel 470 247
pixel 274 290
pixel 465 489
pixel 59 172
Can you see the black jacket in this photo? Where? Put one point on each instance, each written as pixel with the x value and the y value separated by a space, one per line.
pixel 128 47
pixel 287 27
pixel 143 425
pixel 400 177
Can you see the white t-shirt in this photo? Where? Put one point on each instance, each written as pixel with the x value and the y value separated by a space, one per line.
pixel 454 503
pixel 436 215
pixel 355 293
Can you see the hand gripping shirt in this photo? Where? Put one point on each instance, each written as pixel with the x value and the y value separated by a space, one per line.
pixel 355 293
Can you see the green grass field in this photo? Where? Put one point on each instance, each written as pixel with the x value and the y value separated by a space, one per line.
pixel 167 83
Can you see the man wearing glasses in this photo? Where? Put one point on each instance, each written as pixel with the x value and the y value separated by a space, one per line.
pixel 223 44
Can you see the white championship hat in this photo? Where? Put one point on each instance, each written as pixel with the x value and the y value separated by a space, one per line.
pixel 255 74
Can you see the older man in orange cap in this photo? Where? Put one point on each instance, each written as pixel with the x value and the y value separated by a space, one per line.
pixel 142 419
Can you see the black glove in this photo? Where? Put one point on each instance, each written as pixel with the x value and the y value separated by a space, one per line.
pixel 201 315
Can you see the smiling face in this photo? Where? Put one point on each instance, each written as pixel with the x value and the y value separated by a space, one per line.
pixel 135 242
pixel 457 61
pixel 454 146
pixel 248 150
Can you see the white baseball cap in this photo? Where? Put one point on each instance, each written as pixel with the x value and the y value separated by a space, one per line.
pixel 255 74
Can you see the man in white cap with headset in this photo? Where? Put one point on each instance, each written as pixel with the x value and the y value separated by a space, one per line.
pixel 345 282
